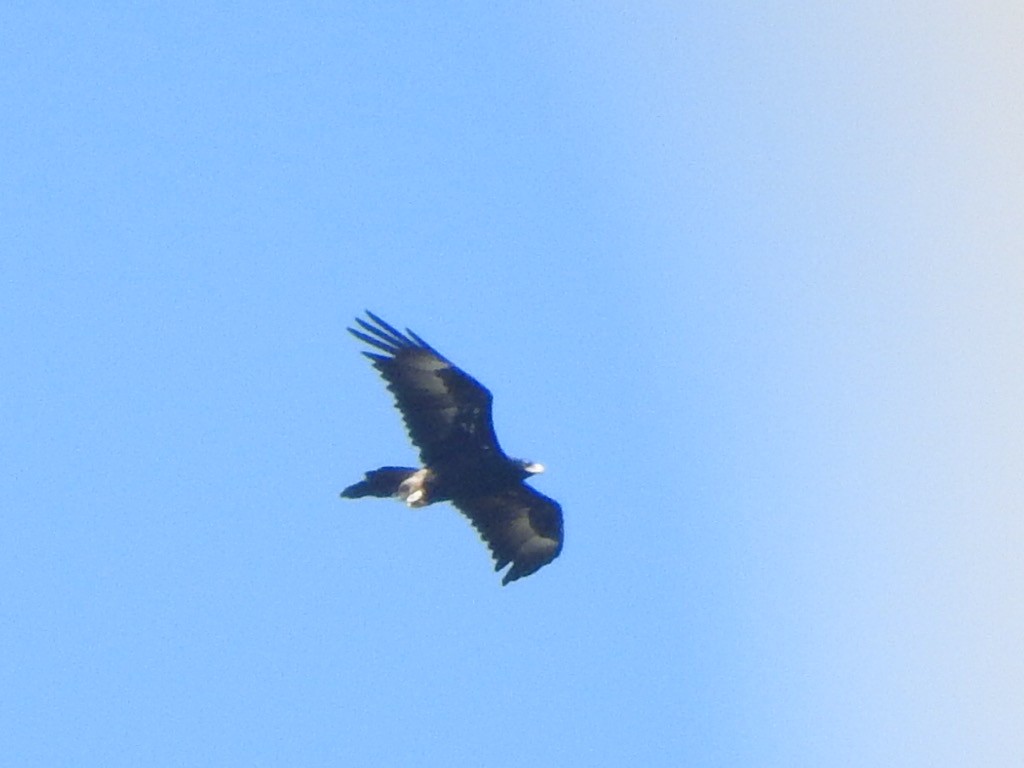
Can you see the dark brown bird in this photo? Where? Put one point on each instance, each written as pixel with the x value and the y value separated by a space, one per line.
pixel 448 416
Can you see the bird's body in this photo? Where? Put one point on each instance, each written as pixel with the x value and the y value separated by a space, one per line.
pixel 448 416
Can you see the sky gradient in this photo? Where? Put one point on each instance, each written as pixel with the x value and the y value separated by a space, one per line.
pixel 748 283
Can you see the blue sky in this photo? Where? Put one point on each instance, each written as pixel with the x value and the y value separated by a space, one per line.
pixel 747 282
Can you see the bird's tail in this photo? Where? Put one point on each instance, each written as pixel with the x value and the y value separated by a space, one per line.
pixel 383 483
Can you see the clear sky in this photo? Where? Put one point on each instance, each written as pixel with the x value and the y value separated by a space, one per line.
pixel 748 282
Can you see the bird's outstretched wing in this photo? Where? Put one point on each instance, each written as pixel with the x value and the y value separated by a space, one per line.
pixel 520 525
pixel 446 411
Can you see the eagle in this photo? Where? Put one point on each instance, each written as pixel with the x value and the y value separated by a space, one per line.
pixel 447 414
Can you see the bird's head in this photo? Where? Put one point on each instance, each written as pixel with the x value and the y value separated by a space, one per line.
pixel 530 467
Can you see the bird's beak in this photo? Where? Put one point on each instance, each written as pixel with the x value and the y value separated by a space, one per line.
pixel 534 468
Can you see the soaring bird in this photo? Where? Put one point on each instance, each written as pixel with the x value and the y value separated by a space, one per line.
pixel 447 414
